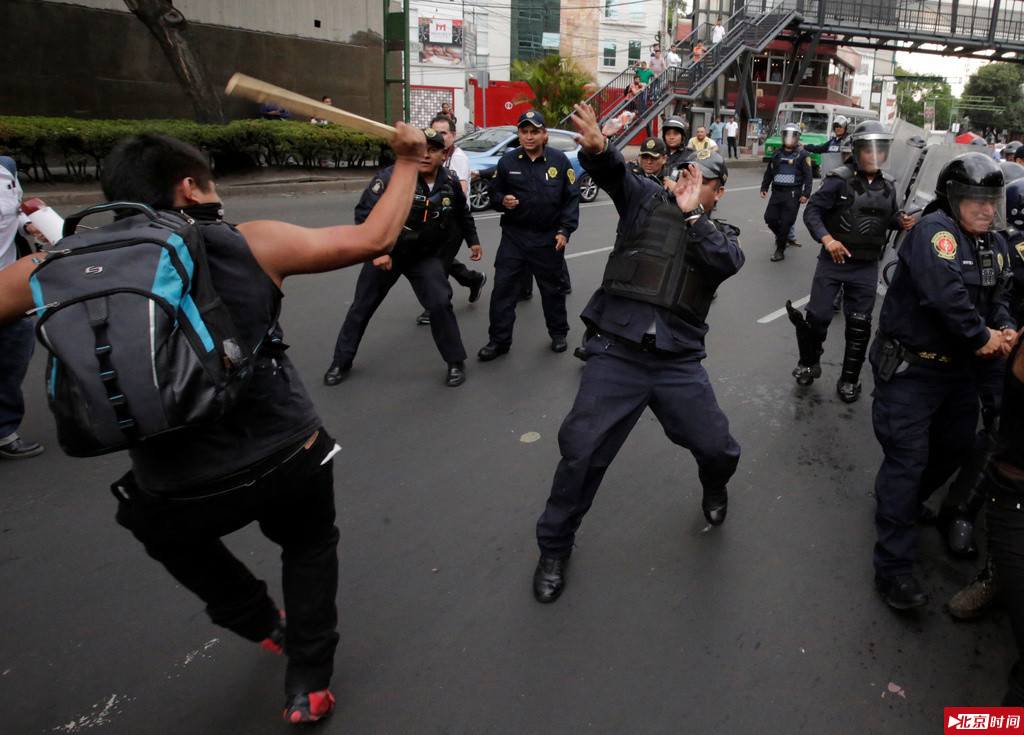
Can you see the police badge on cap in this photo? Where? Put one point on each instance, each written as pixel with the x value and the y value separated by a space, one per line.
pixel 653 147
pixel 531 117
pixel 434 138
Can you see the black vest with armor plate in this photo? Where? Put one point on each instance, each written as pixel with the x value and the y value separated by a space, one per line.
pixel 430 218
pixel 863 224
pixel 656 266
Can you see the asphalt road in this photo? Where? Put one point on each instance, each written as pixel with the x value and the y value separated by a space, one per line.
pixel 767 625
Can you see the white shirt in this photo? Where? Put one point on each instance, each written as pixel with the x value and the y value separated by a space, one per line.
pixel 458 162
pixel 674 59
pixel 717 34
pixel 732 129
pixel 10 200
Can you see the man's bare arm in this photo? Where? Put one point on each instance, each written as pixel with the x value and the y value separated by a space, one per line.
pixel 15 294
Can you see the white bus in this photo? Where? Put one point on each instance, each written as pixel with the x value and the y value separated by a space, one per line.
pixel 815 121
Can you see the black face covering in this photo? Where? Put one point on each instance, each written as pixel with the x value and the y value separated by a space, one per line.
pixel 208 212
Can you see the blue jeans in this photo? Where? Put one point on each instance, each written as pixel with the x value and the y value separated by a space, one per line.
pixel 17 343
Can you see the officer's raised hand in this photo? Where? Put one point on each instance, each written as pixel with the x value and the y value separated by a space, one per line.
pixel 591 136
pixel 835 249
pixel 409 143
pixel 688 188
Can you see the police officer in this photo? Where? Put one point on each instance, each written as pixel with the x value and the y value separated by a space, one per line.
pixel 673 132
pixel 943 309
pixel 834 144
pixel 650 161
pixel 851 215
pixel 648 343
pixel 534 187
pixel 790 178
pixel 438 206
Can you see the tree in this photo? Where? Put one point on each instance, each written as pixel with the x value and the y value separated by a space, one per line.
pixel 169 28
pixel 912 95
pixel 557 83
pixel 1001 81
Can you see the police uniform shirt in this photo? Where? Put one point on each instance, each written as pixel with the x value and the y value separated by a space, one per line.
pixel 549 200
pixel 936 303
pixel 715 247
pixel 448 202
pixel 789 169
pixel 835 193
pixel 832 145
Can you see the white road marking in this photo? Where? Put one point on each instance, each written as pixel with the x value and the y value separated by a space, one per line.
pixel 781 312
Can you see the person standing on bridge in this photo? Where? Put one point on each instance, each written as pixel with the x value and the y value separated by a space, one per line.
pixel 646 348
pixel 790 178
pixel 851 214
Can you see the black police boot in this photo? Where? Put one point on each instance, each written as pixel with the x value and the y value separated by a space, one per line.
pixel 964 499
pixel 858 335
pixel 423 319
pixel 336 373
pixel 477 287
pixel 456 374
pixel 807 368
pixel 901 592
pixel 549 578
pixel 805 374
pixel 491 350
pixel 779 254
pixel 715 504
pixel 558 344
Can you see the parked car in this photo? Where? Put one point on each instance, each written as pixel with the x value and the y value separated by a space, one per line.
pixel 486 146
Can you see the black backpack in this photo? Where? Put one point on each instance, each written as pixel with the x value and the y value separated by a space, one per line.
pixel 139 342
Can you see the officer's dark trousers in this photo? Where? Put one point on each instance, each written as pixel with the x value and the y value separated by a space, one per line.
pixel 780 215
pixel 17 342
pixel 1005 523
pixel 294 505
pixel 618 383
pixel 535 253
pixel 924 418
pixel 452 267
pixel 429 283
pixel 859 282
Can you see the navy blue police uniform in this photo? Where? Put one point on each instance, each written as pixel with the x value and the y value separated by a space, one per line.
pixel 549 201
pixel 832 145
pixel 640 355
pixel 936 314
pixel 436 210
pixel 790 178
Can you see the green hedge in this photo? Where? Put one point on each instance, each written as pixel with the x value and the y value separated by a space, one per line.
pixel 38 143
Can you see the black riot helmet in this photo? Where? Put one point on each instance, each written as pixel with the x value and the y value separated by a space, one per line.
pixel 870 143
pixel 674 122
pixel 970 176
pixel 1015 203
pixel 710 163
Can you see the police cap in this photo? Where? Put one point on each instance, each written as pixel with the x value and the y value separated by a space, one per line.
pixel 653 147
pixel 434 138
pixel 710 163
pixel 531 117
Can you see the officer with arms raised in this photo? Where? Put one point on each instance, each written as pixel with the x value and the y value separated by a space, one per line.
pixel 851 215
pixel 944 309
pixel 834 145
pixel 648 320
pixel 789 176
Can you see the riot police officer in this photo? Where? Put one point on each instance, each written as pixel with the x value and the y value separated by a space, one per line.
pixel 834 145
pixel 648 343
pixel 790 178
pixel 851 215
pixel 943 310
pixel 534 187
pixel 439 205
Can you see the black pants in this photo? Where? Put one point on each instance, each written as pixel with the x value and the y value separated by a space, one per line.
pixel 292 498
pixel 452 267
pixel 534 253
pixel 733 150
pixel 859 283
pixel 429 283
pixel 1005 499
pixel 780 215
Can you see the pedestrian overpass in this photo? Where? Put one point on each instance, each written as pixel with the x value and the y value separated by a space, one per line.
pixel 982 29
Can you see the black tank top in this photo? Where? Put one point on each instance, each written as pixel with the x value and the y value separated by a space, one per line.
pixel 274 413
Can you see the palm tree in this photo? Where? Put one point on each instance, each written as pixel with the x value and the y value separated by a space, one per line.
pixel 556 82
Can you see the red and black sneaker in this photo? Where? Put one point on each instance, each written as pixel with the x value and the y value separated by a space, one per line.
pixel 311 707
pixel 275 641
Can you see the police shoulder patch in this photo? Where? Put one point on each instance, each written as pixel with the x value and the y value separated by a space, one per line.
pixel 571 174
pixel 999 260
pixel 377 186
pixel 1020 249
pixel 944 244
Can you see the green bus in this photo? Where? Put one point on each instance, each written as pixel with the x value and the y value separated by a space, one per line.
pixel 815 121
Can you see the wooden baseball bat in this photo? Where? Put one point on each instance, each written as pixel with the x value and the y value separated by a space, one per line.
pixel 259 91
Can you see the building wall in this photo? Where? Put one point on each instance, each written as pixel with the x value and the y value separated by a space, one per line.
pixel 579 38
pixel 66 59
pixel 622 22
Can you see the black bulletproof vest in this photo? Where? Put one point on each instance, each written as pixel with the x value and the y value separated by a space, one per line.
pixel 862 225
pixel 652 266
pixel 430 219
pixel 273 412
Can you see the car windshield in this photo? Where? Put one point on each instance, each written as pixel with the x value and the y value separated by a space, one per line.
pixel 815 122
pixel 482 140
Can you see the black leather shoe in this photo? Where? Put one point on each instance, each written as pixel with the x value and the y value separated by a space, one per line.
pixel 715 504
pixel 549 578
pixel 526 295
pixel 476 288
pixel 423 319
pixel 490 351
pixel 793 244
pixel 901 592
pixel 780 254
pixel 558 344
pixel 336 373
pixel 580 353
pixel 456 374
pixel 805 374
pixel 848 392
pixel 20 449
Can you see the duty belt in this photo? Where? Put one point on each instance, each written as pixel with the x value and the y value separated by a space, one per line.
pixel 646 344
pixel 927 359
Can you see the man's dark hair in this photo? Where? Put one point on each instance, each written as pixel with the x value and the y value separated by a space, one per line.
pixel 146 167
pixel 446 120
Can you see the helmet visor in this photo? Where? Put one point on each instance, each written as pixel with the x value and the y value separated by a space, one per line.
pixel 790 137
pixel 871 155
pixel 979 208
